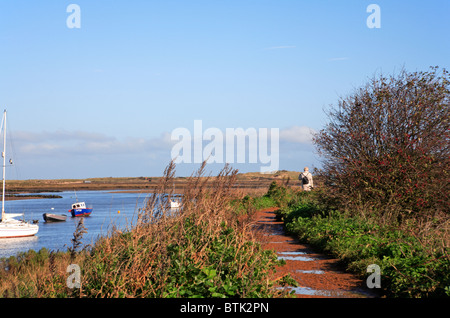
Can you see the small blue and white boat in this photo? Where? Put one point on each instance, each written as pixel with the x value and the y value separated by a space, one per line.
pixel 79 209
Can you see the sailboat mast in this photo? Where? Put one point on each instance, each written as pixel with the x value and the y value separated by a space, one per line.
pixel 4 163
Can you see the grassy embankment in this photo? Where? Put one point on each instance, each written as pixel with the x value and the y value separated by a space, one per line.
pixel 413 257
pixel 209 250
pixel 252 183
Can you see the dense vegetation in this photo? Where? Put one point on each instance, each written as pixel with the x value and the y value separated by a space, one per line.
pixel 385 196
pixel 384 201
pixel 203 256
pixel 209 250
pixel 411 265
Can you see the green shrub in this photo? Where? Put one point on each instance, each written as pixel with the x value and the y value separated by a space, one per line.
pixel 248 204
pixel 279 194
pixel 220 272
pixel 408 268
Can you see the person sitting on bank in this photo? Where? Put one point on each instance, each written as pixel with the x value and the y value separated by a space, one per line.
pixel 307 180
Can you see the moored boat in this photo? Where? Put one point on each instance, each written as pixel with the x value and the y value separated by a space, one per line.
pixel 80 209
pixel 9 226
pixel 50 217
pixel 174 204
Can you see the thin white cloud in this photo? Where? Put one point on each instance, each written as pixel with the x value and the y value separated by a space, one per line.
pixel 333 59
pixel 63 143
pixel 280 47
pixel 59 135
pixel 32 148
pixel 297 134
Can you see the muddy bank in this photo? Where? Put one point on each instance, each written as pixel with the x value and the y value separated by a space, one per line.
pixel 245 181
pixel 12 197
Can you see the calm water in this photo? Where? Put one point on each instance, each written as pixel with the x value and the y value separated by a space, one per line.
pixel 57 236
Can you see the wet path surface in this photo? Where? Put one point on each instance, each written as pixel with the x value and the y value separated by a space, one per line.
pixel 317 275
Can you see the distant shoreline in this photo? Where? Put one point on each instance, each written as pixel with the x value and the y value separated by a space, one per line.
pixel 15 197
pixel 245 181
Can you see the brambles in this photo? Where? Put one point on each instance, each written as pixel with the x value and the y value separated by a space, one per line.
pixel 386 148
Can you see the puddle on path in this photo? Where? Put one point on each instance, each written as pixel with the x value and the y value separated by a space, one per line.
pixel 292 253
pixel 276 233
pixel 311 292
pixel 296 258
pixel 307 291
pixel 312 271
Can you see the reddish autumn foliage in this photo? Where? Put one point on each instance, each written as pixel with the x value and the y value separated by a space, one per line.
pixel 386 147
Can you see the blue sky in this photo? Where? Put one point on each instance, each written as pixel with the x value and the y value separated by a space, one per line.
pixel 102 100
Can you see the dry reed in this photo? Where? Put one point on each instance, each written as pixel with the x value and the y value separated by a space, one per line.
pixel 202 249
pixel 166 246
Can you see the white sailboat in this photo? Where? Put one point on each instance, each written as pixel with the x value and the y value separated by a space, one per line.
pixel 9 226
pixel 175 204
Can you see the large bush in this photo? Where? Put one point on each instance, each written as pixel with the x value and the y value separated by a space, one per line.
pixel 386 147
